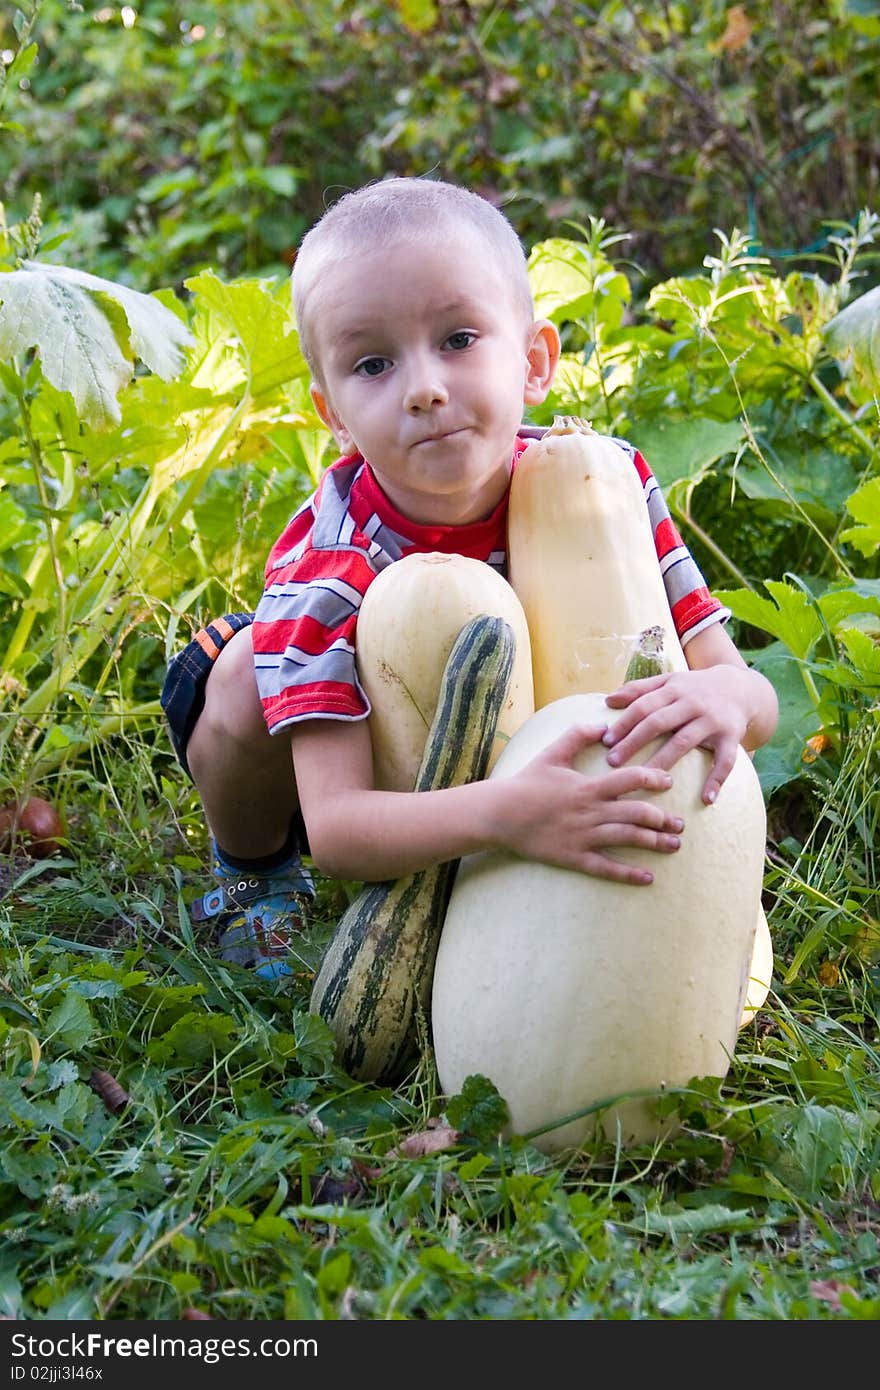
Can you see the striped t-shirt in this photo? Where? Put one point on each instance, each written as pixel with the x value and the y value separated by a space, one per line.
pixel 346 533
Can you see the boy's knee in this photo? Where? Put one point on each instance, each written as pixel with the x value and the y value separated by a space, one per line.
pixel 232 700
pixel 236 658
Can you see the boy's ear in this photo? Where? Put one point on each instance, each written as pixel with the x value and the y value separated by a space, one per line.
pixel 331 420
pixel 542 357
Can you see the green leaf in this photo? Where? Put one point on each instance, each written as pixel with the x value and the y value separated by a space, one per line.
pixel 10 1287
pixel 712 1217
pixel 193 1039
pixel 71 1022
pixel 61 1073
pixel 864 653
pixel 680 300
pixel 790 617
pixel 838 605
pixel 21 64
pixel 279 178
pixel 158 336
pixel 418 15
pixel 853 335
pixel 818 1143
pixel 864 505
pixel 65 315
pixel 816 478
pixel 478 1109
pixel 780 760
pixel 682 451
pixel 314 1043
pixel 568 283
pixel 259 322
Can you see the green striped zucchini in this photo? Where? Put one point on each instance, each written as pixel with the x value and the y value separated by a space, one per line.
pixel 375 977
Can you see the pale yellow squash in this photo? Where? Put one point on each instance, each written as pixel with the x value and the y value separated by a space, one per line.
pixel 410 617
pixel 760 971
pixel 582 561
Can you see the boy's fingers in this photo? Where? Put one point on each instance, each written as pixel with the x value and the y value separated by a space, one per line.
pixel 640 777
pixel 695 733
pixel 631 690
pixel 722 766
pixel 637 836
pixel 636 816
pixel 599 866
pixel 635 728
pixel 573 741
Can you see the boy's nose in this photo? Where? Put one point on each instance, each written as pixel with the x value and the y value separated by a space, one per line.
pixel 424 387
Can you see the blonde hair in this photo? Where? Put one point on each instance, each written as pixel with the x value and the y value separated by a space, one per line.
pixel 391 210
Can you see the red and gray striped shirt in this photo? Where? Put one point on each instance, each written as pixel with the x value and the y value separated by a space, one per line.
pixel 346 533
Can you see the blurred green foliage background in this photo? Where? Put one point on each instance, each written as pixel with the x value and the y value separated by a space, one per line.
pixel 168 137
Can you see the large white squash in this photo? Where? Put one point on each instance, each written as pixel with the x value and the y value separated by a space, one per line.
pixel 409 619
pixel 568 991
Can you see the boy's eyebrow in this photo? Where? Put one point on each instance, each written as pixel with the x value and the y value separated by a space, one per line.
pixel 348 335
pixel 358 331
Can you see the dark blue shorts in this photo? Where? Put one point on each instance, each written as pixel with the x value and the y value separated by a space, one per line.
pixel 183 694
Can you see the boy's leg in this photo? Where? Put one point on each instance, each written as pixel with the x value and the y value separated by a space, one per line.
pixel 246 783
pixel 243 774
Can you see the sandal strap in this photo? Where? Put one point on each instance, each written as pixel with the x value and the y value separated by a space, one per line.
pixel 244 891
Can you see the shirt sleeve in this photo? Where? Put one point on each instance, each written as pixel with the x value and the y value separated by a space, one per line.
pixel 303 637
pixel 693 606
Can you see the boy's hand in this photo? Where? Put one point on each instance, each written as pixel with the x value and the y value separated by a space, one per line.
pixel 559 816
pixel 688 709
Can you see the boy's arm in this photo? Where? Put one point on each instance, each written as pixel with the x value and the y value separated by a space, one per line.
pixel 547 811
pixel 718 703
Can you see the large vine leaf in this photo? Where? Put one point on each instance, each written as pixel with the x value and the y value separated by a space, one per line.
pixel 87 331
pixel 781 759
pixel 568 283
pixel 252 321
pixel 798 620
pixel 854 335
pixel 787 615
pixel 864 505
pixel 681 452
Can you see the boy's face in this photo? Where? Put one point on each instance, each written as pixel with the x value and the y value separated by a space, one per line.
pixel 426 362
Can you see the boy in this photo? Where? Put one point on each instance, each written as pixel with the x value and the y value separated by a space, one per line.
pixel 415 315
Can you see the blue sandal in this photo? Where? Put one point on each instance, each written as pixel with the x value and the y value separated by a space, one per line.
pixel 256 918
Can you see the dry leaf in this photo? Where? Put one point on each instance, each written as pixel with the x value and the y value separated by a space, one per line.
pixel 348 1304
pixel 109 1089
pixel 866 941
pixel 737 32
pixel 728 1154
pixel 427 1141
pixel 503 86
pixel 367 1172
pixel 829 1291
pixel 327 1188
pixel 828 974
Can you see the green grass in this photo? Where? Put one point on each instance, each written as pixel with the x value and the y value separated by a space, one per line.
pixel 249 1178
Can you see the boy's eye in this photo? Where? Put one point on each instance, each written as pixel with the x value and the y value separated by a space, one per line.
pixel 458 341
pixel 371 366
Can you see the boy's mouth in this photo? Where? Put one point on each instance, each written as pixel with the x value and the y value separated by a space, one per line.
pixel 439 436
